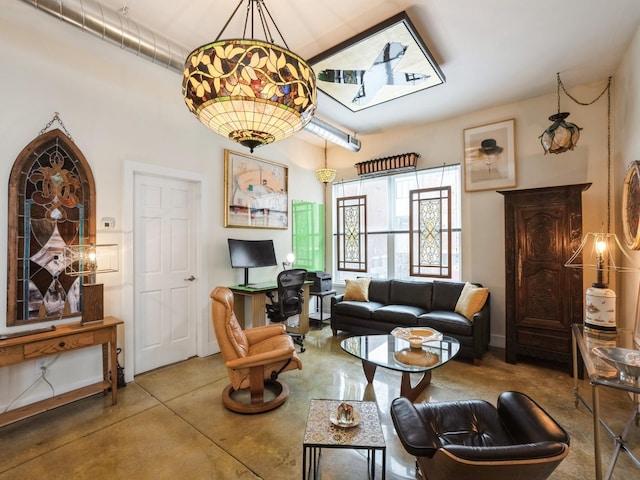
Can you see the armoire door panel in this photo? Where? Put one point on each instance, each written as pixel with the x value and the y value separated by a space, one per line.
pixel 541 302
pixel 542 234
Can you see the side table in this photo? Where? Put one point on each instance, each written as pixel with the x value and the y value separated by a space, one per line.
pixel 602 376
pixel 321 433
pixel 318 317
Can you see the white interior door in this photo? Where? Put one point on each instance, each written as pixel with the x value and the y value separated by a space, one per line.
pixel 165 247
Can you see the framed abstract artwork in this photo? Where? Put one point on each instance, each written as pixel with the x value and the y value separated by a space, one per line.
pixel 490 156
pixel 387 61
pixel 256 192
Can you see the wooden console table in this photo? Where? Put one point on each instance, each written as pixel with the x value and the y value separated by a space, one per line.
pixel 64 338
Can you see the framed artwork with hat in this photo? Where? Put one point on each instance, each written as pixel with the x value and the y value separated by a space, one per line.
pixel 490 156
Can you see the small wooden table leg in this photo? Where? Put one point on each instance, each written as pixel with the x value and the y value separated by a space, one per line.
pixel 105 365
pixel 369 370
pixel 406 390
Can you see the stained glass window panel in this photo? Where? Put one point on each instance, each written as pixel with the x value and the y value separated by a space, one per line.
pixel 430 220
pixel 352 233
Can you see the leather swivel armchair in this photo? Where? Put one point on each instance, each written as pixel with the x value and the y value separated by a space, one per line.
pixel 254 358
pixel 472 439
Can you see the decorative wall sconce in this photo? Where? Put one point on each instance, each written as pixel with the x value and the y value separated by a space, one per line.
pixel 87 261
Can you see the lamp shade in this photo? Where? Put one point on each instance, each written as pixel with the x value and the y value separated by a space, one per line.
pixel 249 91
pixel 601 252
pixel 326 175
pixel 90 259
pixel 560 136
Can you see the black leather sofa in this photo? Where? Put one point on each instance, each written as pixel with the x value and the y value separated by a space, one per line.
pixel 393 303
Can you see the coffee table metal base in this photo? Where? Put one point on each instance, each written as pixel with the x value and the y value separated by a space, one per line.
pixel 311 463
pixel 406 390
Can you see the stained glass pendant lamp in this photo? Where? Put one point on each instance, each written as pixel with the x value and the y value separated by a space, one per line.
pixel 251 91
pixel 561 135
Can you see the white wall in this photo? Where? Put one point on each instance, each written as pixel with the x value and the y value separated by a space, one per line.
pixel 483 212
pixel 119 109
pixel 627 142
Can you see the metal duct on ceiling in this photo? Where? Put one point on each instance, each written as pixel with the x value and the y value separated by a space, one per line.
pixel 114 27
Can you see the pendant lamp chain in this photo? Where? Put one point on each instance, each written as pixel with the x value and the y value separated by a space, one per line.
pixel 607 90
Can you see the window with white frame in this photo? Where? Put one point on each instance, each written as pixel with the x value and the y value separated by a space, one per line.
pixel 389 230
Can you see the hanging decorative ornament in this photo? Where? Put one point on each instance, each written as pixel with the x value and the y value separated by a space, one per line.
pixel 325 175
pixel 560 136
pixel 251 91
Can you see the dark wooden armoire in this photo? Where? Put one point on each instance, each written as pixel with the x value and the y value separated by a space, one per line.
pixel 543 227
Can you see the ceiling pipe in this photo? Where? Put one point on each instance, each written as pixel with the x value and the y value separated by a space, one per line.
pixel 114 27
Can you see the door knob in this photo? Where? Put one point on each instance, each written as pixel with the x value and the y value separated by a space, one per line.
pixel 190 279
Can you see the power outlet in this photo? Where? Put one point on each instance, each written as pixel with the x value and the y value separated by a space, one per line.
pixel 40 364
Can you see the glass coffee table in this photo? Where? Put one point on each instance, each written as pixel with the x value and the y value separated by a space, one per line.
pixel 396 354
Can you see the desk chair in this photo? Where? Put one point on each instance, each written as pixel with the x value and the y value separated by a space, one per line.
pixel 290 299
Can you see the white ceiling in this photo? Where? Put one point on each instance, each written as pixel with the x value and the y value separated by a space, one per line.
pixel 491 51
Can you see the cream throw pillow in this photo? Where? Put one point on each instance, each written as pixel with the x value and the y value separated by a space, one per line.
pixel 357 290
pixel 471 301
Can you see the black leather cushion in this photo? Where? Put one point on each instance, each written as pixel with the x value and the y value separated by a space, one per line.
pixel 417 294
pixel 411 430
pixel 356 309
pixel 508 452
pixel 379 291
pixel 445 295
pixel 405 315
pixel 466 422
pixel 447 321
pixel 527 421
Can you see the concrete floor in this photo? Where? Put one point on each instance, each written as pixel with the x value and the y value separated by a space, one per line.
pixel 170 423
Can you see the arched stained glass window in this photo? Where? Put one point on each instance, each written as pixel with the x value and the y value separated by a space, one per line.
pixel 51 204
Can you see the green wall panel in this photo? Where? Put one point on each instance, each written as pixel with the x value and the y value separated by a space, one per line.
pixel 308 235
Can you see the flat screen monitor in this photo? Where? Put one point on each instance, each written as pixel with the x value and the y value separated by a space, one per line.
pixel 251 254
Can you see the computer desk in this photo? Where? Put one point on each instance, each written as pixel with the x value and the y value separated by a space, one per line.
pixel 256 296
